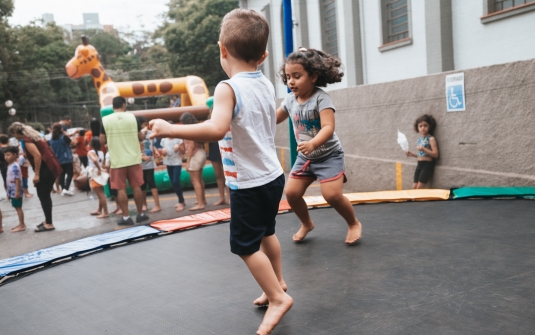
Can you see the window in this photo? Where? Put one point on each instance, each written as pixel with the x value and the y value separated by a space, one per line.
pixel 500 5
pixel 330 35
pixel 397 20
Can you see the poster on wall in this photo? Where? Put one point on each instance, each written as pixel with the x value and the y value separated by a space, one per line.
pixel 455 97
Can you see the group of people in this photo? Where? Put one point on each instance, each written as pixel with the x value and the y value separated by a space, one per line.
pixel 243 120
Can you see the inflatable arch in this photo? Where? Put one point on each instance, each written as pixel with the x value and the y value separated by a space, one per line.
pixel 192 89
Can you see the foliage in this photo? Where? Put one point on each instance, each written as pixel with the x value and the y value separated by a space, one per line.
pixel 192 38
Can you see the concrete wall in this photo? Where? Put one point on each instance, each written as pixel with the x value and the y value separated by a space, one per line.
pixel 490 144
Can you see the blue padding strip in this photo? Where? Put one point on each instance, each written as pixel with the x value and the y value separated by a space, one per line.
pixel 42 256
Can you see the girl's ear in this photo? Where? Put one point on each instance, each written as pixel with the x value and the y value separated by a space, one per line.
pixel 314 78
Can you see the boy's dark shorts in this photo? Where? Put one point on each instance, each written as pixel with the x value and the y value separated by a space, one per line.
pixel 148 179
pixel 16 202
pixel 252 215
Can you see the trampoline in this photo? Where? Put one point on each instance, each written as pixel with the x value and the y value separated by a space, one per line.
pixel 441 267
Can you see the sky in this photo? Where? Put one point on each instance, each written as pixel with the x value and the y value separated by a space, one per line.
pixel 129 15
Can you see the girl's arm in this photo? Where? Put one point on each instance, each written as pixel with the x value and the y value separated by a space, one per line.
pixel 411 154
pixel 189 151
pixel 281 115
pixel 326 132
pixel 180 148
pixel 433 152
pixel 93 156
pixel 32 148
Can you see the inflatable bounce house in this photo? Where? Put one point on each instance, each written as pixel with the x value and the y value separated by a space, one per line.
pixel 192 90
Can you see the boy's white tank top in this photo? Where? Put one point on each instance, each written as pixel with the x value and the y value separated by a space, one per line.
pixel 248 149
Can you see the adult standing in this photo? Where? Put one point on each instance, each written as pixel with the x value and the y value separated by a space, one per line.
pixel 60 145
pixel 122 132
pixel 171 150
pixel 65 123
pixel 44 164
pixel 4 143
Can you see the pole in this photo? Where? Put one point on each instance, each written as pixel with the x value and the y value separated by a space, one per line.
pixel 289 47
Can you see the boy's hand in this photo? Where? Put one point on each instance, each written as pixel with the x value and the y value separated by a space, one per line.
pixel 160 128
pixel 305 147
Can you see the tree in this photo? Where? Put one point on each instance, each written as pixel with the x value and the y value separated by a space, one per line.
pixel 192 38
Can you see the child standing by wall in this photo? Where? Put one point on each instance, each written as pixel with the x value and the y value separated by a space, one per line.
pixel 95 160
pixel 14 185
pixel 243 119
pixel 427 150
pixel 320 152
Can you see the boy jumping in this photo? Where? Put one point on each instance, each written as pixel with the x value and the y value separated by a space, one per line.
pixel 244 120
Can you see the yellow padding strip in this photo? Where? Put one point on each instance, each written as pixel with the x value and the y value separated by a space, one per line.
pixel 385 196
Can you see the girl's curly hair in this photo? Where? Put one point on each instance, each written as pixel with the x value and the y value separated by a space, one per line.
pixel 430 121
pixel 315 62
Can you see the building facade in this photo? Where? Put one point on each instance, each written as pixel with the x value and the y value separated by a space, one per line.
pixel 387 40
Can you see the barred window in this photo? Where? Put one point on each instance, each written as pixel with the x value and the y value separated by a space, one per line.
pixel 330 44
pixel 500 5
pixel 398 20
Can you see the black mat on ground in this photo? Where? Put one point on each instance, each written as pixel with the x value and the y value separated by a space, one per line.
pixel 445 267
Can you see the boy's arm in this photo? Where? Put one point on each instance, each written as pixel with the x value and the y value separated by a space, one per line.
pixel 326 132
pixel 281 115
pixel 17 188
pixel 209 131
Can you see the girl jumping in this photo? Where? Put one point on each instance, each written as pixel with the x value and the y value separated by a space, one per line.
pixel 320 153
pixel 427 150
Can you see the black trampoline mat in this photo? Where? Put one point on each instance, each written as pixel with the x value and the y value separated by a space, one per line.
pixel 445 267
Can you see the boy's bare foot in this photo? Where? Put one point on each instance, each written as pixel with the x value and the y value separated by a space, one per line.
pixel 103 216
pixel 196 208
pixel 354 233
pixel 274 314
pixel 302 232
pixel 179 207
pixel 95 213
pixel 263 300
pixel 156 209
pixel 18 228
pixel 220 202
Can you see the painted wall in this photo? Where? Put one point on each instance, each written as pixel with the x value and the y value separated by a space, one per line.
pixel 476 44
pixel 490 144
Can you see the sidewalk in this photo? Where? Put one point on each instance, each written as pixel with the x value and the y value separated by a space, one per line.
pixel 72 220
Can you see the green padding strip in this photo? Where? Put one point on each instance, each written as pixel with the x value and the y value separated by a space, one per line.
pixel 469 192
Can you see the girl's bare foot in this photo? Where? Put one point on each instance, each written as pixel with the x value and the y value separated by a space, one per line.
pixel 274 314
pixel 196 202
pixel 263 300
pixel 220 202
pixel 302 232
pixel 354 233
pixel 179 207
pixel 95 213
pixel 196 208
pixel 28 195
pixel 156 209
pixel 103 216
pixel 18 228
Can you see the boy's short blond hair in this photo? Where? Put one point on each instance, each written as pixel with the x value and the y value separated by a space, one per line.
pixel 244 33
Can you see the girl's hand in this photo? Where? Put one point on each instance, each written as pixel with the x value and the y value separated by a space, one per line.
pixel 305 147
pixel 409 154
pixel 35 179
pixel 186 166
pixel 420 148
pixel 164 152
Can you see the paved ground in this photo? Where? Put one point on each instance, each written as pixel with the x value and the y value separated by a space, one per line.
pixel 73 222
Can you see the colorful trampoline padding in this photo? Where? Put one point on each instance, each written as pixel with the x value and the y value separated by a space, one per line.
pixel 192 221
pixel 385 196
pixel 476 192
pixel 40 257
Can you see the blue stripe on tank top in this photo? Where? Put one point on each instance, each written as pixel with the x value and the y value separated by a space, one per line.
pixel 228 162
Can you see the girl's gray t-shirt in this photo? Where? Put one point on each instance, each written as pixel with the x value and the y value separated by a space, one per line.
pixel 306 122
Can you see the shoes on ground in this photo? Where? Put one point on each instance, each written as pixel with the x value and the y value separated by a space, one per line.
pixel 141 217
pixel 127 222
pixel 67 192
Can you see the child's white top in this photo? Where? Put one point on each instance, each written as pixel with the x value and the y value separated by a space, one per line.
pixel 91 164
pixel 248 149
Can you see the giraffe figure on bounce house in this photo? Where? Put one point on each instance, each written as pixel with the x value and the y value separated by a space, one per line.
pixel 86 61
